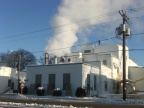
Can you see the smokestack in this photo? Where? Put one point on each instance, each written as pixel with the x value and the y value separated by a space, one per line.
pixel 46 59
pixel 55 59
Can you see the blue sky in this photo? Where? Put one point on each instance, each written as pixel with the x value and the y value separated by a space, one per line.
pixel 23 16
pixel 29 24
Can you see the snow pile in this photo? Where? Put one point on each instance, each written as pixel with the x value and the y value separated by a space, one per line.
pixel 33 105
pixel 40 88
pixel 107 99
pixel 120 101
pixel 19 96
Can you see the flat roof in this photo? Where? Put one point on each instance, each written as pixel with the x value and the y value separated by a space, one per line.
pixel 66 64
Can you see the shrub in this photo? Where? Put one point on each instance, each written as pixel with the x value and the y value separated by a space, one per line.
pixel 25 90
pixel 80 92
pixel 57 92
pixel 40 91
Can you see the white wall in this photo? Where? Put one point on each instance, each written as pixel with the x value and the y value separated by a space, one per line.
pixel 136 73
pixel 5 75
pixel 105 73
pixel 111 49
pixel 5 71
pixel 105 76
pixel 92 71
pixel 132 63
pixel 75 71
pixel 116 68
pixel 74 57
pixel 78 73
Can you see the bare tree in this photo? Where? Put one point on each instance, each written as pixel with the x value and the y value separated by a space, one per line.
pixel 12 59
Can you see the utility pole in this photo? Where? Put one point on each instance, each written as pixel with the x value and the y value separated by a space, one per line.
pixel 124 52
pixel 19 56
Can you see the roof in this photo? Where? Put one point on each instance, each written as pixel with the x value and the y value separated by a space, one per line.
pixel 66 64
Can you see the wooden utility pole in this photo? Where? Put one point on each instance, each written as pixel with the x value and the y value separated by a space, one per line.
pixel 19 56
pixel 124 52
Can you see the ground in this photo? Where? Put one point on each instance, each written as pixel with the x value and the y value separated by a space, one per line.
pixel 106 101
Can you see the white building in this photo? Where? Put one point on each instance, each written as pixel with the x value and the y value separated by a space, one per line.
pixel 8 79
pixel 136 74
pixel 96 68
pixel 67 77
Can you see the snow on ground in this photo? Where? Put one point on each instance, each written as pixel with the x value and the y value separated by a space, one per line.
pixel 33 105
pixel 107 99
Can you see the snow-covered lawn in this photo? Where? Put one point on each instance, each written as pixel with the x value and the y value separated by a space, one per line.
pixel 107 99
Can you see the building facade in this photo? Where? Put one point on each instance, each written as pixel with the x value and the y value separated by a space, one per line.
pixel 136 74
pixel 67 77
pixel 9 79
pixel 98 69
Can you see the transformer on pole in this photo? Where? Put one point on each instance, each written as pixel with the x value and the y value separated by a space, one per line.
pixel 125 32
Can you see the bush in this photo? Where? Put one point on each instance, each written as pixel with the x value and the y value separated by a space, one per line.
pixel 80 92
pixel 25 90
pixel 57 92
pixel 40 91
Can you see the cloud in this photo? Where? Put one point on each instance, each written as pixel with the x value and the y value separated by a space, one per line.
pixel 74 14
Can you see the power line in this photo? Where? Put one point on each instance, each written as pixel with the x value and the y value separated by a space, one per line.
pixel 58 32
pixel 92 18
pixel 138 33
pixel 100 16
pixel 76 45
pixel 67 31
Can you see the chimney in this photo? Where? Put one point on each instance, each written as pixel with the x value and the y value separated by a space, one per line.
pixel 46 59
pixel 55 59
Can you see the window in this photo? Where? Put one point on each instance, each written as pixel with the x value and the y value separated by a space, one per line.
pixel 95 82
pixel 9 82
pixel 87 51
pixel 52 81
pixel 66 81
pixel 88 81
pixel 105 62
pixel 38 78
pixel 106 86
pixel 114 84
pixel 12 87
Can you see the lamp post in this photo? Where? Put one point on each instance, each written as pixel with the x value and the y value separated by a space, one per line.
pixel 19 56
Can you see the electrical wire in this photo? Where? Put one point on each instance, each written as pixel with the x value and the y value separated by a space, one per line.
pixel 64 31
pixel 77 45
pixel 96 17
pixel 100 16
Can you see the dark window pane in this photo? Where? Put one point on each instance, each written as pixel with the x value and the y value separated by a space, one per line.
pixel 87 51
pixel 106 86
pixel 52 81
pixel 38 79
pixel 105 62
pixel 66 81
pixel 95 82
pixel 88 81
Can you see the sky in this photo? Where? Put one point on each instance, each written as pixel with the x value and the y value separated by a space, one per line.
pixel 46 25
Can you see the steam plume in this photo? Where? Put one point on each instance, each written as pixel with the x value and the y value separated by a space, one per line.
pixel 72 11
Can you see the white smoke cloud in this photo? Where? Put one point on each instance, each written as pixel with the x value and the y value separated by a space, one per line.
pixel 70 12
